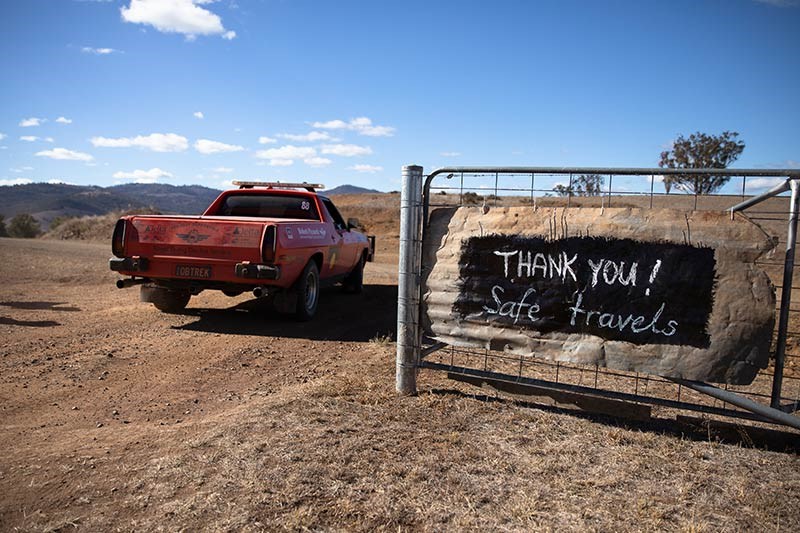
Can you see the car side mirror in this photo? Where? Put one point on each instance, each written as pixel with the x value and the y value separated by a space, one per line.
pixel 352 223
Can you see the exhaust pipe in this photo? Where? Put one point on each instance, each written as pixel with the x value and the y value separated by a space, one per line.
pixel 125 283
pixel 259 292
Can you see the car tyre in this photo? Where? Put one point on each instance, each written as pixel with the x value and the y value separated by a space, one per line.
pixel 307 292
pixel 354 282
pixel 168 301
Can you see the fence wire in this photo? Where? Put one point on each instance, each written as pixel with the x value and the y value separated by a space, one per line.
pixel 548 190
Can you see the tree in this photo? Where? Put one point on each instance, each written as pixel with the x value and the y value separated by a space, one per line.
pixel 583 185
pixel 24 226
pixel 472 198
pixel 3 230
pixel 701 150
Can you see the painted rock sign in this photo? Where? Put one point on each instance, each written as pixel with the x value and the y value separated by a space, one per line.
pixel 652 291
pixel 618 289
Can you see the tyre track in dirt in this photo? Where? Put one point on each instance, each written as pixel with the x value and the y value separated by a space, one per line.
pixel 229 417
pixel 87 368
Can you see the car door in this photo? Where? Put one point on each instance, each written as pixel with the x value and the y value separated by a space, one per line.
pixel 342 254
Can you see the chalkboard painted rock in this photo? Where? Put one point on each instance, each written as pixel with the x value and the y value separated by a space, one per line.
pixel 658 291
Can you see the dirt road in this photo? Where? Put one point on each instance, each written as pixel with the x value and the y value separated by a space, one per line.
pixel 115 416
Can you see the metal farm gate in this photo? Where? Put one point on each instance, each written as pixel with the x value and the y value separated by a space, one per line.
pixel 774 395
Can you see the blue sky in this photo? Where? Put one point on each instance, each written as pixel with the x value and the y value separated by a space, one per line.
pixel 204 91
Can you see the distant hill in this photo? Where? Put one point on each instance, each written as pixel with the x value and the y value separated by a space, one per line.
pixel 47 201
pixel 186 199
pixel 350 189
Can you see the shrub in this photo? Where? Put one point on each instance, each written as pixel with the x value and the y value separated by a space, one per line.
pixel 24 226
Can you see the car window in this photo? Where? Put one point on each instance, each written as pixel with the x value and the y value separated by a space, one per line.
pixel 338 221
pixel 277 206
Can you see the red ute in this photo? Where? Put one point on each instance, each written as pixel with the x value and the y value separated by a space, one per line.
pixel 269 238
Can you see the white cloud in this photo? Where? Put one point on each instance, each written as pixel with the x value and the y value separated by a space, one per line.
pixel 364 126
pixel 32 121
pixel 281 162
pixel 762 183
pixel 63 153
pixel 223 170
pixel 29 138
pixel 346 150
pixel 366 168
pixel 287 152
pixel 198 114
pixel 157 142
pixel 313 136
pixel 205 146
pixel 143 176
pixel 176 16
pixel 361 125
pixel 266 140
pixel 450 154
pixel 331 125
pixel 98 51
pixel 3 136
pixel 59 182
pixel 779 3
pixel 49 139
pixel 20 170
pixel 317 162
pixel 16 181
pixel 64 120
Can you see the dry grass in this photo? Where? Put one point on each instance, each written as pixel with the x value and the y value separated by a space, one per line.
pixel 379 213
pixel 312 440
pixel 90 228
pixel 346 454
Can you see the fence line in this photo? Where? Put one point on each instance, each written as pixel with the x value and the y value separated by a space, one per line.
pixel 537 187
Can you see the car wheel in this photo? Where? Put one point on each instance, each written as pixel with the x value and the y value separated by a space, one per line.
pixel 307 291
pixel 167 301
pixel 354 282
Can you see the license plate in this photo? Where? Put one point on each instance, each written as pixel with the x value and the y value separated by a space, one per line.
pixel 193 271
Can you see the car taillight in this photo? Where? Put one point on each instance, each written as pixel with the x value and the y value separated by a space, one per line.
pixel 118 240
pixel 268 244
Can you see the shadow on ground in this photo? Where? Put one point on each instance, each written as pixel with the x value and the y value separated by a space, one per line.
pixel 739 433
pixel 52 306
pixel 28 323
pixel 340 317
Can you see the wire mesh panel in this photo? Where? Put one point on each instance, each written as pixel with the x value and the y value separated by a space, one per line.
pixel 549 189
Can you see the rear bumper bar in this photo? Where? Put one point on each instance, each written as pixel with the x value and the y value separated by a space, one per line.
pixel 257 271
pixel 244 270
pixel 128 264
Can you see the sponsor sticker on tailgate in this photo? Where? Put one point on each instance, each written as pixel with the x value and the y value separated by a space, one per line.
pixel 308 232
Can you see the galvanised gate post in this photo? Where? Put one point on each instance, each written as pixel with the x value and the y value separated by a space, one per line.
pixel 408 336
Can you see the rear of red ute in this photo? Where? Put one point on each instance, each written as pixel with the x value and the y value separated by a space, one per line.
pixel 279 240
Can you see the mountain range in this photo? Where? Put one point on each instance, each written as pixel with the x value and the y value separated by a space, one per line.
pixel 349 189
pixel 47 201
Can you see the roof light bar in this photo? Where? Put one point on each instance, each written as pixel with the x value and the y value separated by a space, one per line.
pixel 278 185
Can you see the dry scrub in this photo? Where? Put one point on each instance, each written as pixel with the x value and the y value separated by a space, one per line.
pixel 114 416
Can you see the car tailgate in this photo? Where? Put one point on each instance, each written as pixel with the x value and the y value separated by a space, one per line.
pixel 232 239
